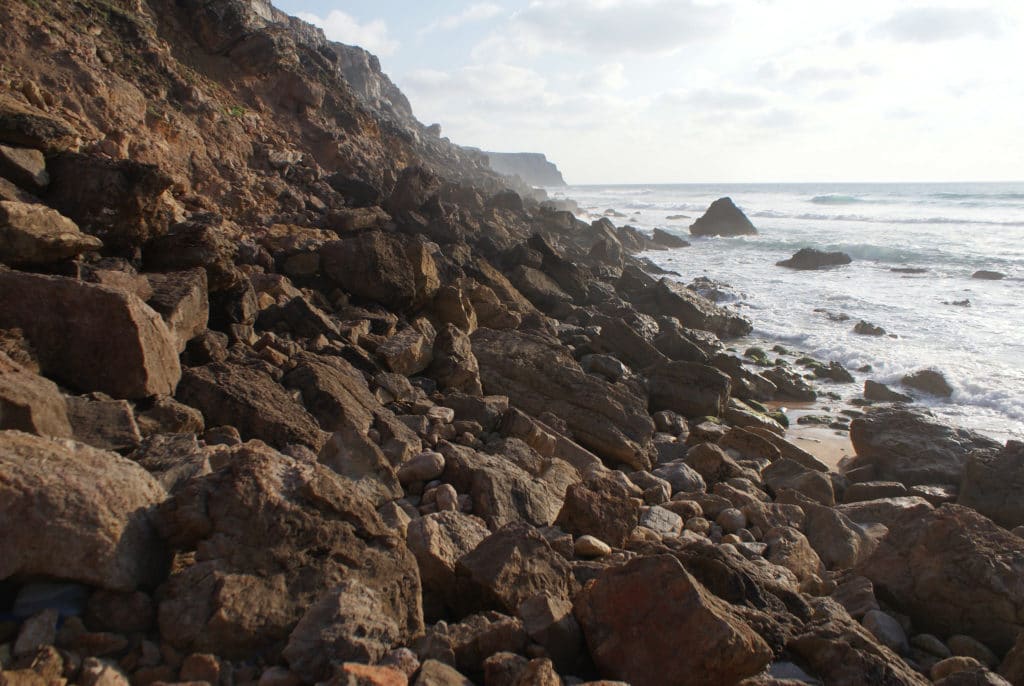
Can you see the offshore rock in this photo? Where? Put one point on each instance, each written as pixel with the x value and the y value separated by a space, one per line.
pixel 92 337
pixel 723 218
pixel 811 259
pixel 82 514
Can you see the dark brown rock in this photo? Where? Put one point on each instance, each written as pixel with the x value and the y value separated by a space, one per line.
pixel 24 166
pixel 454 366
pixel 600 507
pixel 103 423
pixel 881 393
pixel 722 218
pixel 31 403
pixel 811 259
pixel 333 391
pixel 669 298
pixel 635 616
pixel 385 268
pixel 928 381
pixel 992 484
pixel 689 388
pixel 182 300
pixel 438 541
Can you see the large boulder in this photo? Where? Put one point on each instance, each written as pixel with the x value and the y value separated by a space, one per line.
pixel 278 540
pixel 689 388
pixel 31 403
pixel 722 218
pixel 74 512
pixel 438 541
pixel 993 482
pixel 182 299
pixel 601 507
pixel 808 259
pixel 251 401
pixel 390 269
pixel 33 234
pixel 538 375
pixel 91 337
pixel 954 572
pixel 333 391
pixel 694 311
pixel 651 623
pixel 908 446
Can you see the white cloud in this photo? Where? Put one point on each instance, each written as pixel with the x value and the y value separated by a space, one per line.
pixel 474 13
pixel 934 24
pixel 344 28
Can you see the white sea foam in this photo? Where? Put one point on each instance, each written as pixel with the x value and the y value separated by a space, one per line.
pixel 950 230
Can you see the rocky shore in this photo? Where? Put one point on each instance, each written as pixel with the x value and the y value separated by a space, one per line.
pixel 294 391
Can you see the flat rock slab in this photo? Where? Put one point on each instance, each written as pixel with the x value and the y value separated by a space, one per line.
pixel 91 337
pixel 78 513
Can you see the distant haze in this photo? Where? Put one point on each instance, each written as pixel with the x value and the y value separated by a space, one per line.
pixel 625 91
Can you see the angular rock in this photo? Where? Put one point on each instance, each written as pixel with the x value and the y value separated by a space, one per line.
pixel 908 446
pixel 82 514
pixel 810 259
pixel 789 548
pixel 887 630
pixel 277 535
pixel 881 393
pixel 408 352
pixel 538 376
pixel 723 218
pixel 928 381
pixel 386 268
pixel 619 611
pixel 333 391
pixel 31 403
pixel 693 311
pixel 682 477
pixel 992 484
pixel 91 337
pixel 36 234
pixel 712 463
pixel 182 300
pixel 454 366
pixel 103 423
pixel 350 453
pixel 600 507
pixel 28 126
pixel 689 388
pixel 884 510
pixel 438 541
pixel 243 397
pixel 468 643
pixel 953 571
pixel 168 416
pixel 25 167
pixel 873 490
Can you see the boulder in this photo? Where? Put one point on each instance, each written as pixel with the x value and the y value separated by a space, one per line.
pixel 250 400
pixel 452 305
pixel 282 540
pixel 712 463
pixel 81 514
pixel 503 491
pixel 601 507
pixel 103 423
pixel 408 352
pixel 839 542
pixel 992 483
pixel 454 365
pixel 910 447
pixel 928 381
pixel 36 234
pixel 953 572
pixel 789 548
pixel 636 617
pixel 669 240
pixel 91 337
pixel 30 127
pixel 199 242
pixel 538 375
pixel 723 218
pixel 31 403
pixel 881 393
pixel 182 299
pixel 390 269
pixel 352 454
pixel 438 541
pixel 672 299
pixel 511 566
pixel 469 642
pixel 333 391
pixel 25 167
pixel 810 259
pixel 988 275
pixel 689 388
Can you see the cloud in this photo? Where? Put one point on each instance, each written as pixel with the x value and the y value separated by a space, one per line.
pixel 477 12
pixel 714 99
pixel 344 28
pixel 652 27
pixel 935 24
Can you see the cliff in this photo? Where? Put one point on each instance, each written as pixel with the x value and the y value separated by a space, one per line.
pixel 532 167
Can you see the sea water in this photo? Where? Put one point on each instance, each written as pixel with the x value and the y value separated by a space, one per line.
pixel 948 231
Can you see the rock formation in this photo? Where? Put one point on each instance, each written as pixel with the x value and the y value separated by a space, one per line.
pixel 722 218
pixel 810 259
pixel 532 167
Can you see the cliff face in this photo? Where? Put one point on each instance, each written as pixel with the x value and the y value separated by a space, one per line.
pixel 532 167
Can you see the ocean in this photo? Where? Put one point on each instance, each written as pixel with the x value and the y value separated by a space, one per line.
pixel 945 231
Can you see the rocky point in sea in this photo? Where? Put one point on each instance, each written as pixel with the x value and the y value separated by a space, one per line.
pixel 279 412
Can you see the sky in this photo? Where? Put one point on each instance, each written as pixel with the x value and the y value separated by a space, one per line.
pixel 676 91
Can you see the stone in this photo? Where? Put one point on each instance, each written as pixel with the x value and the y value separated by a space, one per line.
pixel 887 630
pixel 952 571
pixel 661 521
pixel 873 490
pixel 351 454
pixel 857 596
pixel 880 393
pixel 731 520
pixel 83 514
pixel 168 416
pixel 452 305
pixel 538 375
pixel 988 275
pixel 689 388
pixel 438 541
pixel 953 665
pixel 811 259
pixel 31 403
pixel 599 507
pixel 789 548
pixel 931 644
pixel 333 391
pixel 969 647
pixel 591 546
pixel 103 423
pixel 283 540
pixel 669 240
pixel 390 269
pixel 467 643
pixel 992 482
pixel 510 566
pixel 928 381
pixel 1012 666
pixel 371 675
pixel 910 447
pixel 96 672
pixel 668 298
pixel 436 673
pixel 863 328
pixel 723 218
pixel 201 667
pixel 91 337
pixel 454 365
pixel 24 166
pixel 37 631
pixel 681 477
pixel 839 542
pixel 619 609
pixel 426 466
pixel 120 612
pixel 251 401
pixel 712 463
pixel 36 234
pixel 407 352
pixel 884 510
pixel 182 300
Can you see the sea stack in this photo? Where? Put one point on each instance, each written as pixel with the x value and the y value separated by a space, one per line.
pixel 723 218
pixel 809 259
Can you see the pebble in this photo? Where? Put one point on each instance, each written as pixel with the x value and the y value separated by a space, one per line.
pixel 591 546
